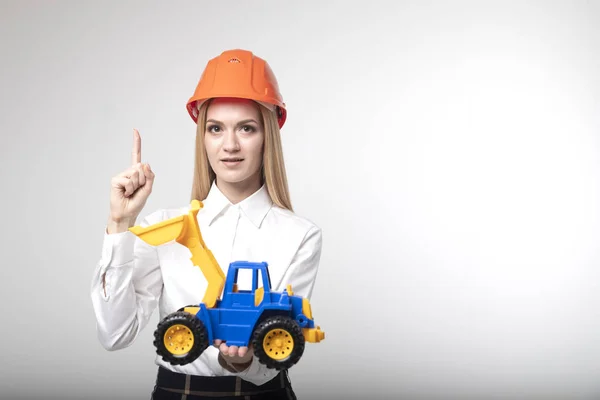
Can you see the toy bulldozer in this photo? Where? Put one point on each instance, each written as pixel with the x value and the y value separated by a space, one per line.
pixel 276 324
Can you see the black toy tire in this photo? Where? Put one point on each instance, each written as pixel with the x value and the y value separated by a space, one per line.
pixel 198 330
pixel 286 324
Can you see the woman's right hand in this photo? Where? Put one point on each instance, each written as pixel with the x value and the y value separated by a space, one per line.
pixel 130 190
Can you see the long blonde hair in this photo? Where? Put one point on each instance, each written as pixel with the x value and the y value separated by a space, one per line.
pixel 273 167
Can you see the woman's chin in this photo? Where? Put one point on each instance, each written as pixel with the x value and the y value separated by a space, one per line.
pixel 232 178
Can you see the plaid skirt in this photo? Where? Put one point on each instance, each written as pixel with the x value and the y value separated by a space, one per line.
pixel 175 386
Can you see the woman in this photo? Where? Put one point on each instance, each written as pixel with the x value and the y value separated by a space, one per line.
pixel 247 215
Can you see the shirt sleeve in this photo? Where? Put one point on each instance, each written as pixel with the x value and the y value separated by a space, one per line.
pixel 301 274
pixel 126 287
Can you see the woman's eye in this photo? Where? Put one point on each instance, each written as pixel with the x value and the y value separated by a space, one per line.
pixel 247 128
pixel 213 129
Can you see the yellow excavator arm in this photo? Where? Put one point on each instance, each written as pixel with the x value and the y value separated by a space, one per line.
pixel 185 230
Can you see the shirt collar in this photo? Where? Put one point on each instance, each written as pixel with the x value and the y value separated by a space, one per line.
pixel 255 206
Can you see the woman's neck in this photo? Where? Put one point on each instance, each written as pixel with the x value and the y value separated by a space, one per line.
pixel 238 191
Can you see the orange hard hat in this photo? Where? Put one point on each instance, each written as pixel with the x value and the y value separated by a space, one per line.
pixel 240 74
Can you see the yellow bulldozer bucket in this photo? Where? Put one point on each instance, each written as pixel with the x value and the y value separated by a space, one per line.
pixel 160 233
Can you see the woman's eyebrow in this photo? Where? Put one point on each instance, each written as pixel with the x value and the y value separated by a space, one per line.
pixel 245 121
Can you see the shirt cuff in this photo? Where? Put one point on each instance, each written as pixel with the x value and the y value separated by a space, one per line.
pixel 118 248
pixel 257 373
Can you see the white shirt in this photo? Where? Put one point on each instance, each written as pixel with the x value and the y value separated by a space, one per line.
pixel 140 277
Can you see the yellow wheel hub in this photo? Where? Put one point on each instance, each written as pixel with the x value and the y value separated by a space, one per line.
pixel 278 344
pixel 179 339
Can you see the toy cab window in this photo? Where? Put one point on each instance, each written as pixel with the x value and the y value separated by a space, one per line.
pixel 258 279
pixel 244 280
pixel 248 280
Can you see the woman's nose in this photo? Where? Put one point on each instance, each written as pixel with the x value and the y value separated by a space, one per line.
pixel 230 142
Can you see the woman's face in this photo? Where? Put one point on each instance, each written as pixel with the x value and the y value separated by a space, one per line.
pixel 234 140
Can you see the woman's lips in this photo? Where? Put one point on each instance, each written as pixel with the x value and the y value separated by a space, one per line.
pixel 232 162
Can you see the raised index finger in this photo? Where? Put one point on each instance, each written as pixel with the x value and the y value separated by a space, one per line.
pixel 136 152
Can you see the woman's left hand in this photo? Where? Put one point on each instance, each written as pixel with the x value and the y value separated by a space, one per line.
pixel 234 354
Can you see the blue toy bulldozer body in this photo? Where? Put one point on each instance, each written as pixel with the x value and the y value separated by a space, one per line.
pixel 237 314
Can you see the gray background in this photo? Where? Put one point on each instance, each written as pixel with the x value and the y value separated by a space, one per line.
pixel 448 150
